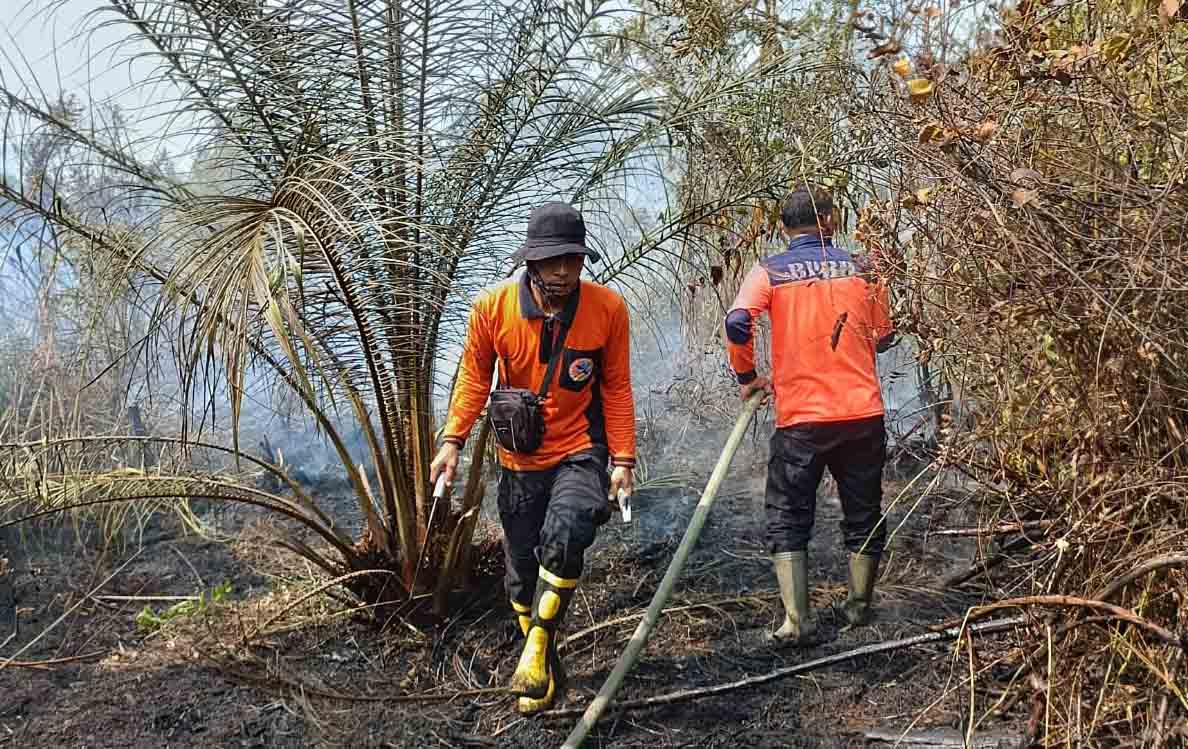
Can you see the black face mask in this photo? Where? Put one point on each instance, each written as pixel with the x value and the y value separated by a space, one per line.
pixel 553 291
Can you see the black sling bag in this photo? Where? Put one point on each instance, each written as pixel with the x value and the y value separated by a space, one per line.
pixel 517 414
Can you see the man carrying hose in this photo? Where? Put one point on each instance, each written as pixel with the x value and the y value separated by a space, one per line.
pixel 562 408
pixel 827 322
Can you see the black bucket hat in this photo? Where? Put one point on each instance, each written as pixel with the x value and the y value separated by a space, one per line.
pixel 555 229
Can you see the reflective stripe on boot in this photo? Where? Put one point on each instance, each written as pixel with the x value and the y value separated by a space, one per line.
pixel 864 568
pixel 523 616
pixel 533 675
pixel 791 568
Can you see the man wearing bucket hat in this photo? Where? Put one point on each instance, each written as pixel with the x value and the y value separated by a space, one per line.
pixel 561 409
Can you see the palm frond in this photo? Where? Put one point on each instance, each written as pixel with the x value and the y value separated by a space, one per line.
pixel 364 169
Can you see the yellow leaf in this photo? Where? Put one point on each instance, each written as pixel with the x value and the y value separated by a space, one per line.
pixel 924 195
pixel 902 67
pixel 1116 48
pixel 919 89
pixel 930 132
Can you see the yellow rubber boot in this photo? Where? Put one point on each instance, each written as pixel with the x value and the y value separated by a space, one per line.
pixel 528 706
pixel 534 674
pixel 523 616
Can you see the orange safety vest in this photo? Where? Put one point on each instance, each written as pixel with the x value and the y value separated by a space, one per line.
pixel 826 320
pixel 590 401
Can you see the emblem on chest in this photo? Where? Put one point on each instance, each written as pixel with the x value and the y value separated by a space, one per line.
pixel 581 369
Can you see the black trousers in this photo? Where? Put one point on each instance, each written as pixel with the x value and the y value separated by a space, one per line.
pixel 854 452
pixel 550 518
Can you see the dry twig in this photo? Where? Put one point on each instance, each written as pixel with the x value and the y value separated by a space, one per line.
pixel 685 695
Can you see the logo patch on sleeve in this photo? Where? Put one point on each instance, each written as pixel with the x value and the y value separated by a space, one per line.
pixel 581 369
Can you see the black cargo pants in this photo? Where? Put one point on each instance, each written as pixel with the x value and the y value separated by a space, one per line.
pixel 854 452
pixel 550 518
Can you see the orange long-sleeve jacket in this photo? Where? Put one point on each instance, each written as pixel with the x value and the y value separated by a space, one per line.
pixel 827 321
pixel 590 401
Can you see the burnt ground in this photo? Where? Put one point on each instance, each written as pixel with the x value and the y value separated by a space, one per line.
pixel 316 676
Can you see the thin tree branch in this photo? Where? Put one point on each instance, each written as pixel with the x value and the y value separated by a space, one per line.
pixel 685 695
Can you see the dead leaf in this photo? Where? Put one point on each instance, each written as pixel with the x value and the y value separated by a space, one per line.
pixel 919 89
pixel 1023 197
pixel 1022 173
pixel 1168 9
pixel 930 132
pixel 942 137
pixel 889 47
pixel 985 131
pixel 932 11
pixel 902 67
pixel 1116 48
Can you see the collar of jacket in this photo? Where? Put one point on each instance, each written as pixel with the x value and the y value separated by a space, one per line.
pixel 814 242
pixel 530 310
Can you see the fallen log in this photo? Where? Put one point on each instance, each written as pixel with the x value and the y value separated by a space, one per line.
pixel 997 530
pixel 684 695
pixel 942 738
pixel 45 665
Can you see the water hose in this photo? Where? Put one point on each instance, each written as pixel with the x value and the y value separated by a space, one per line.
pixel 660 598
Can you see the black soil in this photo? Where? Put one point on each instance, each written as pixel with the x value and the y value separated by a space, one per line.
pixel 192 683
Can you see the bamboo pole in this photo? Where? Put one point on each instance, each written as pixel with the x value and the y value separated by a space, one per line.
pixel 652 615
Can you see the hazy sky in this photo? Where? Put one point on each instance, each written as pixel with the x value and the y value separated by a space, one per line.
pixel 52 46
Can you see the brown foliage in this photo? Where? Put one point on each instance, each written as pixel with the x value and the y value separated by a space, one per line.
pixel 1036 237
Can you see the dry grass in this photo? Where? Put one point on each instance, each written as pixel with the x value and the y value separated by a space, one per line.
pixel 1035 235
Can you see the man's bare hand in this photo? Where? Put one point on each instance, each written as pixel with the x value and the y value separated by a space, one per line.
pixel 621 480
pixel 759 383
pixel 445 462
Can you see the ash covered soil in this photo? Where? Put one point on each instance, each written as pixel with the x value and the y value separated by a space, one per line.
pixel 264 668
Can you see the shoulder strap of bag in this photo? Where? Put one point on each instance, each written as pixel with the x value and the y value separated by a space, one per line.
pixel 567 316
pixel 500 372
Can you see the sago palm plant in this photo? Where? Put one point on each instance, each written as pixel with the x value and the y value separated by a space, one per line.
pixel 366 166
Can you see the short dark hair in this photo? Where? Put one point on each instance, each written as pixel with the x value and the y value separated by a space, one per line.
pixel 806 206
